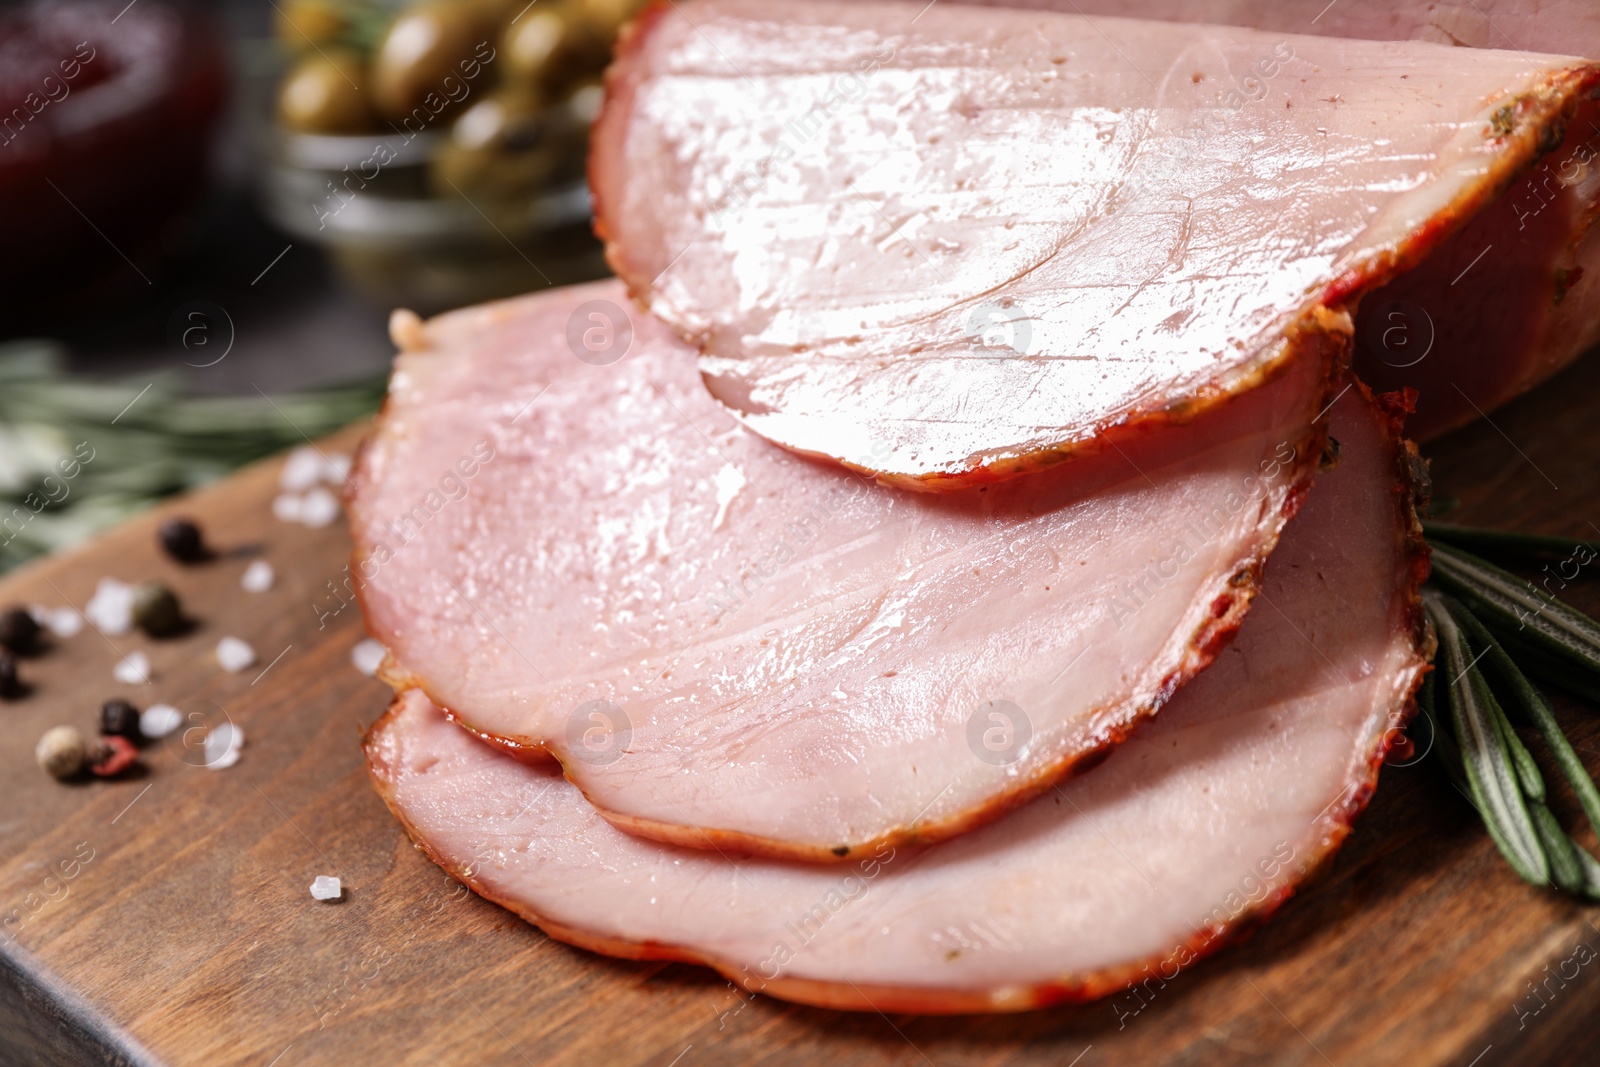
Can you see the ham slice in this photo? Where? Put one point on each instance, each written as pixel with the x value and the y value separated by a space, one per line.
pixel 1468 339
pixel 728 645
pixel 948 245
pixel 1201 824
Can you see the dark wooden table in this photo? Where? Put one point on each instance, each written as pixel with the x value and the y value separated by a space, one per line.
pixel 189 937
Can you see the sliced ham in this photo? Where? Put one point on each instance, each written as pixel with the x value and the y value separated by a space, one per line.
pixel 1468 339
pixel 946 244
pixel 728 645
pixel 1203 822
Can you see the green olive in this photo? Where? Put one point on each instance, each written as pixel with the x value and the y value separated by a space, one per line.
pixel 550 47
pixel 503 149
pixel 430 59
pixel 305 23
pixel 322 95
pixel 604 18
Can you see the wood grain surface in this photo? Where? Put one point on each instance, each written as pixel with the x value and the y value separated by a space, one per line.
pixel 189 935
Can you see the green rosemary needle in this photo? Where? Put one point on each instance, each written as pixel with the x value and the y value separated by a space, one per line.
pixel 1493 781
pixel 1505 543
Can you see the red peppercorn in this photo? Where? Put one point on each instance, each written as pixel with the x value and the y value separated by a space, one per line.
pixel 110 756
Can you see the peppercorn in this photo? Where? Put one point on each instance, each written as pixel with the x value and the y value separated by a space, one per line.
pixel 110 756
pixel 118 718
pixel 10 684
pixel 156 610
pixel 19 630
pixel 61 751
pixel 180 539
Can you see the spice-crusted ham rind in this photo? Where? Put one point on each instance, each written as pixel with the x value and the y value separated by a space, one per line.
pixel 957 248
pixel 730 646
pixel 1467 339
pixel 1198 827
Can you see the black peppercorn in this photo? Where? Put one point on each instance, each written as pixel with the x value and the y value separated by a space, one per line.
pixel 180 539
pixel 156 610
pixel 19 631
pixel 10 684
pixel 118 718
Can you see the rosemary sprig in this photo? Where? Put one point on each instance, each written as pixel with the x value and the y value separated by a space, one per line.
pixel 164 443
pixel 1479 674
pixel 1492 781
pixel 1504 543
pixel 1531 703
pixel 1522 615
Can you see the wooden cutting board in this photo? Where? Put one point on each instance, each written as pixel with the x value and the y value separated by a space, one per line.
pixel 186 934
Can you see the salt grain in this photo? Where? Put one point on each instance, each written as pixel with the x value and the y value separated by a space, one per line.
pixel 367 656
pixel 234 654
pixel 326 888
pixel 257 577
pixel 63 622
pixel 111 607
pixel 134 669
pixel 301 470
pixel 337 469
pixel 159 720
pixel 319 507
pixel 222 746
pixel 306 467
pixel 286 507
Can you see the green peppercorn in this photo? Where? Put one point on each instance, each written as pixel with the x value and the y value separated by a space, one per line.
pixel 19 631
pixel 156 610
pixel 10 684
pixel 181 540
pixel 118 718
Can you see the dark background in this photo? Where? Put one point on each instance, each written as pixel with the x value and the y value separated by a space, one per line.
pixel 299 324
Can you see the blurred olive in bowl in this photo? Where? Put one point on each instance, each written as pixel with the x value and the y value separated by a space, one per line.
pixel 303 23
pixel 322 94
pixel 549 47
pixel 604 18
pixel 428 57
pixel 504 149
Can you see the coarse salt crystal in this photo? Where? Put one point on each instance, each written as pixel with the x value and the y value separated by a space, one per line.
pixel 257 577
pixel 307 467
pixel 337 469
pixel 63 622
pixel 134 669
pixel 301 470
pixel 319 507
pixel 159 720
pixel 111 607
pixel 286 507
pixel 234 654
pixel 326 888
pixel 368 655
pixel 222 746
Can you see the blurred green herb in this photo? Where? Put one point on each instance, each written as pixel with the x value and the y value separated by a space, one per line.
pixel 1494 630
pixel 121 458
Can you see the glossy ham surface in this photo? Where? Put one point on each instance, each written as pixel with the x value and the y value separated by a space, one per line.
pixel 1199 825
pixel 1468 339
pixel 731 646
pixel 951 244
